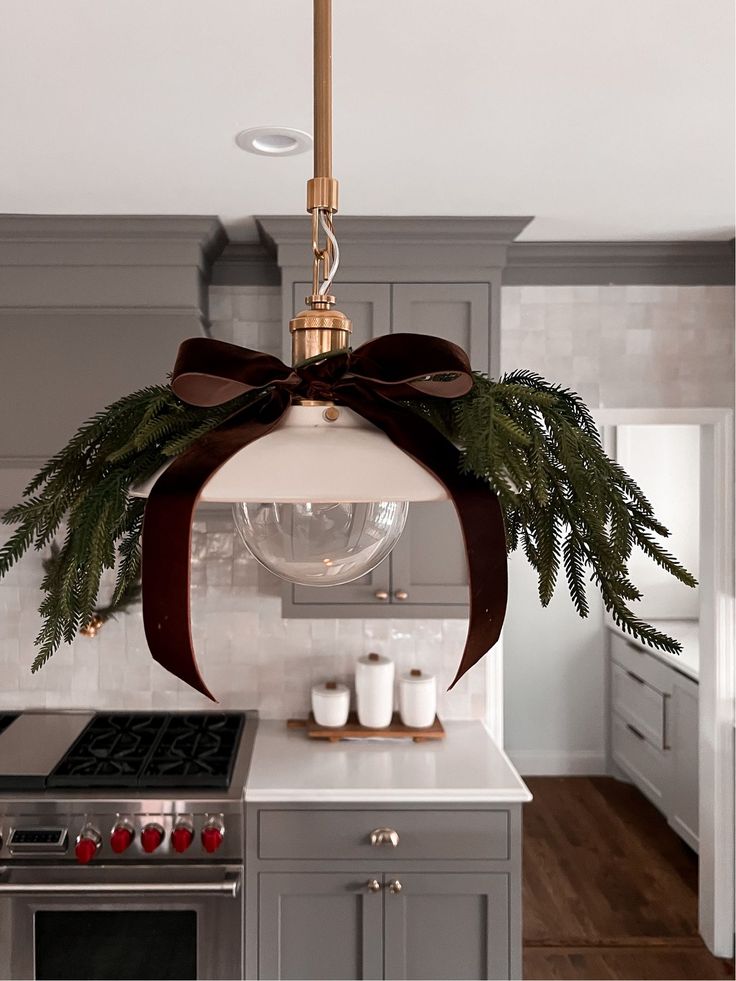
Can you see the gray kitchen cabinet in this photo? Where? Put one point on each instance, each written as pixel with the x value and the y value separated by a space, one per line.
pixel 654 732
pixel 683 810
pixel 426 574
pixel 319 925
pixel 324 900
pixel 446 925
pixel 457 312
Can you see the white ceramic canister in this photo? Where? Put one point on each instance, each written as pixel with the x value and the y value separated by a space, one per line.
pixel 374 687
pixel 330 704
pixel 417 699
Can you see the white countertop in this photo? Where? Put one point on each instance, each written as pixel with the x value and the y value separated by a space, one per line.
pixel 686 631
pixel 466 766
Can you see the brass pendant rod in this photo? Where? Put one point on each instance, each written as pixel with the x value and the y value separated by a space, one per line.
pixel 318 329
pixel 322 189
pixel 323 88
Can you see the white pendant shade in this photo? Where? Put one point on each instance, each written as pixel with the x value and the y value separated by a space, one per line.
pixel 308 458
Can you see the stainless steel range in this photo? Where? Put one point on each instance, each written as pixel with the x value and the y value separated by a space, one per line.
pixel 121 852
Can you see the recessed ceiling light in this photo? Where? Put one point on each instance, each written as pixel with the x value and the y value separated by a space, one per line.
pixel 274 141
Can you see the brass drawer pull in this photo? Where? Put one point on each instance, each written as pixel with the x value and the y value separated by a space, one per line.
pixel 636 732
pixel 385 836
pixel 373 885
pixel 401 594
pixel 395 886
pixel 381 594
pixel 636 677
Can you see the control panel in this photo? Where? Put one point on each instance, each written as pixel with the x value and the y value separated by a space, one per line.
pixel 89 837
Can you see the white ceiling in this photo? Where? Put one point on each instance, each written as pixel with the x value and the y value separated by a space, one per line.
pixel 607 119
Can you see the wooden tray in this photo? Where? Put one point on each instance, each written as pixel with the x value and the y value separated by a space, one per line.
pixel 353 730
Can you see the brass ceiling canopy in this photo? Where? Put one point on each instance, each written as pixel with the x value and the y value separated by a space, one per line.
pixel 320 329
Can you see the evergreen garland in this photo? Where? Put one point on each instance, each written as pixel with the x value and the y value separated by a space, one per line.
pixel 120 602
pixel 564 501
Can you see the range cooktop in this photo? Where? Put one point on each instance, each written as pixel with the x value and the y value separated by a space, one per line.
pixel 145 751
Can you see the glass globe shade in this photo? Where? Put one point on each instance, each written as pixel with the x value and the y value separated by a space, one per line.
pixel 320 544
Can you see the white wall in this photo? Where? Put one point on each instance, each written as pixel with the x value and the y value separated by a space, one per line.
pixel 665 462
pixel 618 346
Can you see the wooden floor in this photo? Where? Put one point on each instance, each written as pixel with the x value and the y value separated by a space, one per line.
pixel 610 891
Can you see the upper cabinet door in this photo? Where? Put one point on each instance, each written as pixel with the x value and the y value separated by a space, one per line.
pixel 367 304
pixel 459 312
pixel 428 562
pixel 373 591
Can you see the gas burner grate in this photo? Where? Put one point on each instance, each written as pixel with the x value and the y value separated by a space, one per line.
pixel 199 749
pixel 149 750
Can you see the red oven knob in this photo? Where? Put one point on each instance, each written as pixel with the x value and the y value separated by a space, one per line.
pixel 151 837
pixel 88 842
pixel 182 836
pixel 212 835
pixel 121 837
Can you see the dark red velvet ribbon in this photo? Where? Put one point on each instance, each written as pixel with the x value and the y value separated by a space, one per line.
pixel 368 380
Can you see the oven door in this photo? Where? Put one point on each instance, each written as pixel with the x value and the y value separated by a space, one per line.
pixel 114 922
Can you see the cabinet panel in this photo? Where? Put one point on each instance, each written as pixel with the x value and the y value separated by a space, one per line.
pixel 459 312
pixel 647 766
pixel 428 562
pixel 367 304
pixel 426 834
pixel 447 925
pixel 319 925
pixel 369 590
pixel 638 703
pixel 683 736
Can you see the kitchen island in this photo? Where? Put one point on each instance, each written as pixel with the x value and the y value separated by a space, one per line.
pixel 373 859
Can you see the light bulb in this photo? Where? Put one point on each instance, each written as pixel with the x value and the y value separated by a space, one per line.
pixel 319 544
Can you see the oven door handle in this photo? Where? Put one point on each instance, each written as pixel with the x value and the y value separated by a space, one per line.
pixel 229 886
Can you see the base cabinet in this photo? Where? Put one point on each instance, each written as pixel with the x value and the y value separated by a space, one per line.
pixel 398 925
pixel 314 925
pixel 327 897
pixel 654 733
pixel 445 925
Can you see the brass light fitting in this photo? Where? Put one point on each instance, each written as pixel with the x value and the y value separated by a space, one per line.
pixel 319 329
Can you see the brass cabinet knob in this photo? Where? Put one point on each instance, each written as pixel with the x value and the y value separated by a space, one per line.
pixel 373 885
pixel 385 836
pixel 381 594
pixel 395 886
pixel 401 594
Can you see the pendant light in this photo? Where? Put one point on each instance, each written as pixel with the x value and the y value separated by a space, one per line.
pixel 323 498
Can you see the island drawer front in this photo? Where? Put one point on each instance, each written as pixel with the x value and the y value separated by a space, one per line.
pixel 639 704
pixel 422 834
pixel 632 657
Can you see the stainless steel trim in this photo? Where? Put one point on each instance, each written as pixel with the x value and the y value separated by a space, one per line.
pixel 229 886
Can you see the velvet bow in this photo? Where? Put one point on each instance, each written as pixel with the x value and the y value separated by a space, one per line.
pixel 369 381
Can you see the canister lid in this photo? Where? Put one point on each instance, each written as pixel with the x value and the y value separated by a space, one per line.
pixel 374 660
pixel 330 688
pixel 417 677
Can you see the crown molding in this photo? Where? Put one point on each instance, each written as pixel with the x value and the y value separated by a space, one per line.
pixel 246 264
pixel 620 263
pixel 391 246
pixel 107 263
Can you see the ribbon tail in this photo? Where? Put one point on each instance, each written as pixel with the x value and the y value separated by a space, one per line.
pixel 478 509
pixel 167 534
